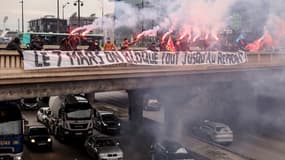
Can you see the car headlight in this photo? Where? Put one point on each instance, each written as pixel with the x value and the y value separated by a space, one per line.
pixel 33 140
pixel 18 158
pixel 16 142
pixel 119 124
pixel 104 124
pixel 49 139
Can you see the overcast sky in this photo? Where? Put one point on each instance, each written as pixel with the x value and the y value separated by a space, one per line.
pixel 39 8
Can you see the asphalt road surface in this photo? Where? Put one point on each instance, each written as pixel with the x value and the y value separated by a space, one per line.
pixel 251 144
pixel 136 144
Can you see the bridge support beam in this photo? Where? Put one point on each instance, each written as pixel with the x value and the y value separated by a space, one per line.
pixel 135 108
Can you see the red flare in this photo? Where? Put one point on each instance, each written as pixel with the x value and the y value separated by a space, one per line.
pixel 166 35
pixel 264 41
pixel 85 32
pixel 184 34
pixel 139 36
pixel 170 45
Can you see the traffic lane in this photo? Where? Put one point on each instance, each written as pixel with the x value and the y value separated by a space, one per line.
pixel 258 146
pixel 60 151
pixel 70 151
pixel 136 144
pixel 116 98
pixel 153 127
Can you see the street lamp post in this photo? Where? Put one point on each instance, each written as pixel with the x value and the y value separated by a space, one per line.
pixel 102 20
pixel 63 6
pixel 22 2
pixel 57 22
pixel 79 4
pixel 143 17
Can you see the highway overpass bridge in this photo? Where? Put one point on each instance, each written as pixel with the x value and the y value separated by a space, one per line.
pixel 16 83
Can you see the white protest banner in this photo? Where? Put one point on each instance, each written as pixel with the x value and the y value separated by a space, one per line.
pixel 62 59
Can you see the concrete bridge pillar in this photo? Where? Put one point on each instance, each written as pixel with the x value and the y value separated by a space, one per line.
pixel 91 98
pixel 135 107
pixel 172 99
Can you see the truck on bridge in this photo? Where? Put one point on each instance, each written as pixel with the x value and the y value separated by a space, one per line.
pixel 71 117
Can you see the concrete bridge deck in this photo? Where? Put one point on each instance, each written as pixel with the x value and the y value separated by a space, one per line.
pixel 16 82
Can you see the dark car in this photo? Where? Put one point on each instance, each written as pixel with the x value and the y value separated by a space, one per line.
pixel 103 148
pixel 38 137
pixel 29 104
pixel 107 122
pixel 170 150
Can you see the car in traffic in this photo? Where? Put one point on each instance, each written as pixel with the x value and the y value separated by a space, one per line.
pixel 37 137
pixel 102 147
pixel 151 103
pixel 169 150
pixel 214 131
pixel 107 122
pixel 42 114
pixel 29 103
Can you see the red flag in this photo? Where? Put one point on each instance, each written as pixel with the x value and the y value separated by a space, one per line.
pixel 170 45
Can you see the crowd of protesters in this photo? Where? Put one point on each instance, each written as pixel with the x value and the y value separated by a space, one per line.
pixel 71 43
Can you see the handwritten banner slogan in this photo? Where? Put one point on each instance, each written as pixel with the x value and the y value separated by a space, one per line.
pixel 62 59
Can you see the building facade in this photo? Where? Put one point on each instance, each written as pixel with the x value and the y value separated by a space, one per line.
pixel 73 21
pixel 47 24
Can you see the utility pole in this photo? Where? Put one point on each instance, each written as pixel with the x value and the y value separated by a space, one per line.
pixel 18 24
pixel 57 22
pixel 22 2
pixel 63 6
pixel 102 19
pixel 142 17
pixel 78 3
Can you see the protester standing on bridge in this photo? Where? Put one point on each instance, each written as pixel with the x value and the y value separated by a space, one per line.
pixel 94 46
pixel 126 44
pixel 36 44
pixel 109 46
pixel 152 47
pixel 15 44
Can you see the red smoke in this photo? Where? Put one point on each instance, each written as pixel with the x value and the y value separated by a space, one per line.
pixel 263 42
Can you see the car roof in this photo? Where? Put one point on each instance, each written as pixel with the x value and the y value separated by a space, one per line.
pixel 45 108
pixel 101 136
pixel 105 112
pixel 37 126
pixel 216 124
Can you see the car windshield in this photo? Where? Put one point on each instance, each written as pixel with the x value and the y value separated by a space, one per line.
pixel 11 127
pixel 109 117
pixel 30 100
pixel 105 143
pixel 78 111
pixel 38 131
pixel 222 129
pixel 79 114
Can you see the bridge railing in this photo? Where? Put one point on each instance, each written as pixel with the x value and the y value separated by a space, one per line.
pixel 11 60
